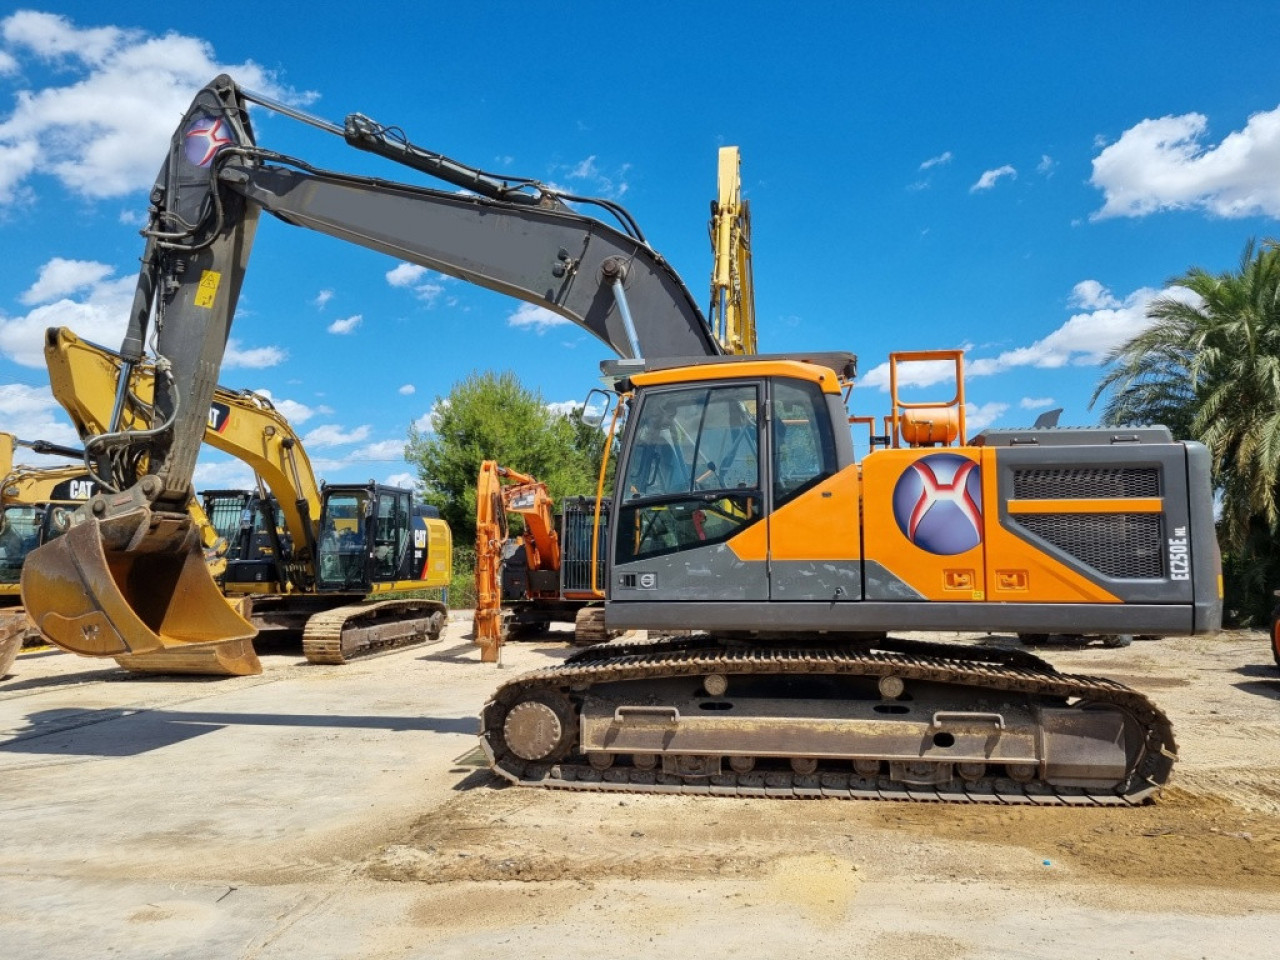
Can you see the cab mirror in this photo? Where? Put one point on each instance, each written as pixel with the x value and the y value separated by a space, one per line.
pixel 596 407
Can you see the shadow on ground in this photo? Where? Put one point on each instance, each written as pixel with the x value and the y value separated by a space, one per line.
pixel 124 733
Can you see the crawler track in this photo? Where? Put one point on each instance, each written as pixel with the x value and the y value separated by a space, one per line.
pixel 979 671
pixel 361 629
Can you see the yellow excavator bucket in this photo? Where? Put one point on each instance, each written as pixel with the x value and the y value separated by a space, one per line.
pixel 152 608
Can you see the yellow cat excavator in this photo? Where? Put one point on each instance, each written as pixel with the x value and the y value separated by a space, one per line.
pixel 341 542
pixel 740 516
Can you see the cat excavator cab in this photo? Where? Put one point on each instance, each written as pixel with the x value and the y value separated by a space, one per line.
pixel 740 517
pixel 35 506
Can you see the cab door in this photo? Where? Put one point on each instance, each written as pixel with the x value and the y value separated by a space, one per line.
pixel 693 480
pixel 814 539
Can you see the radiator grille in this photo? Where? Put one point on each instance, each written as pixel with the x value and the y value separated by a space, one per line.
pixel 575 544
pixel 1125 546
pixel 1084 483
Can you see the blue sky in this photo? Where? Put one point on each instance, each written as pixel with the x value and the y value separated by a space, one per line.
pixel 1018 180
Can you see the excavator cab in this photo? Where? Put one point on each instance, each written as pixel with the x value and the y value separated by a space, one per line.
pixel 256 542
pixel 19 535
pixel 365 537
pixel 26 523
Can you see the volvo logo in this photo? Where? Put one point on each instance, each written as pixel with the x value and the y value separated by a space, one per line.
pixel 937 503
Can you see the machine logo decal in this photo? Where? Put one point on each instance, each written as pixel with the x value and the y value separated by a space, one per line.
pixel 937 503
pixel 205 137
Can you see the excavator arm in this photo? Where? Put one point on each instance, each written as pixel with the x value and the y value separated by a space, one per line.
pixel 500 492
pixel 733 307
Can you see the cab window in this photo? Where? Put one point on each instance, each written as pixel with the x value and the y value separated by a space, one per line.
pixel 693 476
pixel 804 451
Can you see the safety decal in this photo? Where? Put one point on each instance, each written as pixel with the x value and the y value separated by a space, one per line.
pixel 204 138
pixel 937 503
pixel 207 291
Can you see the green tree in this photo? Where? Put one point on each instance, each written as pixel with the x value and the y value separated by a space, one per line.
pixel 492 416
pixel 1209 367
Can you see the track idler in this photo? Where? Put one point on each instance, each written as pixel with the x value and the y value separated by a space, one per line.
pixel 130 580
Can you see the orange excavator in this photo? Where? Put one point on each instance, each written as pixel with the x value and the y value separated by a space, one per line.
pixel 740 516
pixel 526 581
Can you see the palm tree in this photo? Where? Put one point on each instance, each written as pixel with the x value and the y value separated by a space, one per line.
pixel 1208 366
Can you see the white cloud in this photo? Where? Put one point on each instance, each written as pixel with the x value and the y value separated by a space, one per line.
pixel 291 410
pixel 31 413
pixel 60 277
pixel 923 373
pixel 405 274
pixel 427 422
pixel 409 480
pixel 1091 295
pixel 8 64
pixel 251 358
pixel 1162 164
pixel 1084 339
pixel 586 168
pixel 940 160
pixel 989 178
pixel 425 284
pixel 1046 166
pixel 347 325
pixel 1035 403
pixel 322 298
pixel 105 130
pixel 100 316
pixel 980 416
pixel 332 435
pixel 598 183
pixel 379 450
pixel 407 390
pixel 222 474
pixel 540 319
pixel 217 474
pixel 563 408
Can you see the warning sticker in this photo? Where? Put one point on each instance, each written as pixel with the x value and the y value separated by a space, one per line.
pixel 208 289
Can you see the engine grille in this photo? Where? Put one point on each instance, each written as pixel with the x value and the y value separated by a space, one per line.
pixel 576 531
pixel 1124 546
pixel 1086 483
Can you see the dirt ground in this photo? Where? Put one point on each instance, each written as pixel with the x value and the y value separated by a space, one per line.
pixel 345 812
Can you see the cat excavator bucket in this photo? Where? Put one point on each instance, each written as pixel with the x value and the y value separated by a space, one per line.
pixel 135 586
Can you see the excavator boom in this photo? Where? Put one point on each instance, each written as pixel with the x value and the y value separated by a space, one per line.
pixel 500 492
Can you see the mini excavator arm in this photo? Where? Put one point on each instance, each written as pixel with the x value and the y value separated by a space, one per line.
pixel 88 587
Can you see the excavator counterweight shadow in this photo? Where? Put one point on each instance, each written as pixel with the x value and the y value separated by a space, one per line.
pixel 162 605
